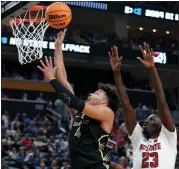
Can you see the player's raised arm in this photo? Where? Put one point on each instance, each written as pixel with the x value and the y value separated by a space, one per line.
pixel 129 114
pixel 61 74
pixel 148 62
pixel 59 61
pixel 100 113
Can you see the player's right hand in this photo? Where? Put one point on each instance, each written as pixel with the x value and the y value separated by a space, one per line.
pixel 148 57
pixel 47 69
pixel 115 60
pixel 59 39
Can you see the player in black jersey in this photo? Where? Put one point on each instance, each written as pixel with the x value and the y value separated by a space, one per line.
pixel 92 120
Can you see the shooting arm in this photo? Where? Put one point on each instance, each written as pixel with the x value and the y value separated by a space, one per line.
pixel 61 73
pixel 162 105
pixel 129 115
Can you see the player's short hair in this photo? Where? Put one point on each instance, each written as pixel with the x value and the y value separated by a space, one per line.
pixel 112 95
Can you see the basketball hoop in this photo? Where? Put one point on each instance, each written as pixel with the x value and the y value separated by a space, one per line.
pixel 29 32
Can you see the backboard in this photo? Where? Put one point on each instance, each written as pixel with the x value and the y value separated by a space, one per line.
pixel 12 9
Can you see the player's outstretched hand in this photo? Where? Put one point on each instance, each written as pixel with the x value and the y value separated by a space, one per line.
pixel 47 69
pixel 148 57
pixel 60 38
pixel 115 60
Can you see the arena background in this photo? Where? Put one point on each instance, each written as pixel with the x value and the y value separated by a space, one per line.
pixel 35 123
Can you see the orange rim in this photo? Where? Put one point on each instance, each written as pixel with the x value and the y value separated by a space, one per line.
pixel 34 8
pixel 37 8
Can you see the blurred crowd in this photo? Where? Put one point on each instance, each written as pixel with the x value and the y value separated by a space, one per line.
pixel 38 143
pixel 41 142
pixel 33 143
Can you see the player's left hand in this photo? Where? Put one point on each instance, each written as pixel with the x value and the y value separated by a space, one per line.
pixel 148 57
pixel 47 69
pixel 115 60
pixel 60 38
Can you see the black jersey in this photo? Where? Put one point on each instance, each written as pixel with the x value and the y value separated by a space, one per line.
pixel 88 144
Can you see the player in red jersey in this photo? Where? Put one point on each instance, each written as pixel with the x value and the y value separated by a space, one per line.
pixel 155 143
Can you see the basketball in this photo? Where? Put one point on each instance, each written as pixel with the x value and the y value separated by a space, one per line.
pixel 58 15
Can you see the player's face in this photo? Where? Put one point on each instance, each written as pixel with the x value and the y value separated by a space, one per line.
pixel 97 98
pixel 152 125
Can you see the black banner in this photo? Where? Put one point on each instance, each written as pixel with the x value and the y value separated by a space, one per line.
pixel 147 98
pixel 167 56
pixel 31 108
pixel 141 115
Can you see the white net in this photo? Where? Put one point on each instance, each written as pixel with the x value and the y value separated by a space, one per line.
pixel 29 33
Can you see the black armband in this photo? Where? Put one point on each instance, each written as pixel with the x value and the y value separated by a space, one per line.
pixel 67 97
